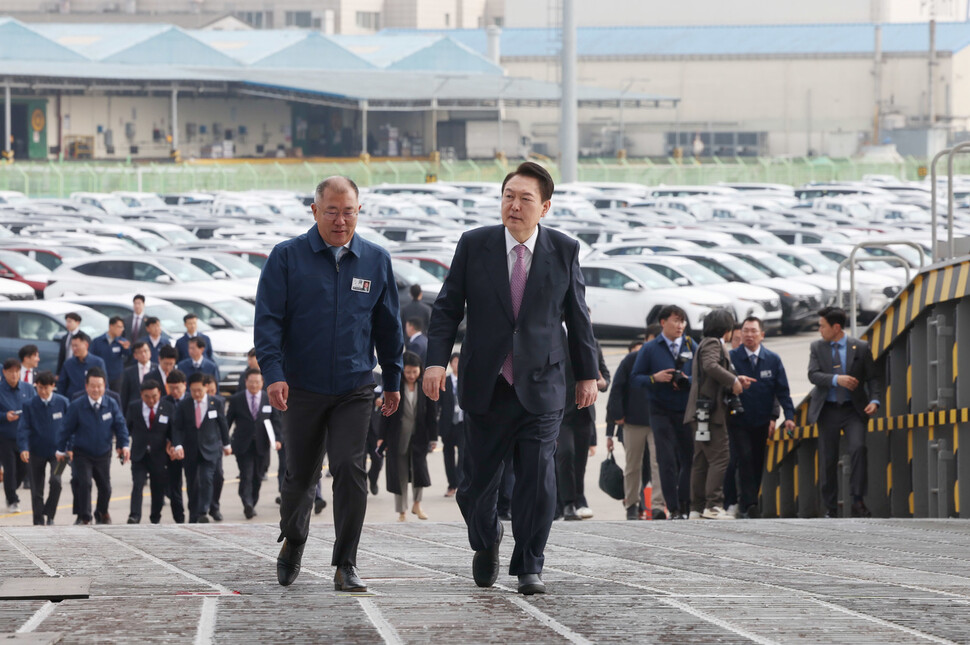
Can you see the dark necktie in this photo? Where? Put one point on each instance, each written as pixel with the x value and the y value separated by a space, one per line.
pixel 841 393
pixel 517 289
pixel 673 350
pixel 97 408
pixel 754 362
pixel 151 418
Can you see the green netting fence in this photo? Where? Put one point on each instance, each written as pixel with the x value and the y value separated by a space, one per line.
pixel 60 179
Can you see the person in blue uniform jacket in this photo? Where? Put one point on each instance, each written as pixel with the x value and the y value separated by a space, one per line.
pixel 14 394
pixel 326 300
pixel 191 322
pixel 73 377
pixel 91 423
pixel 748 432
pixel 114 349
pixel 40 426
pixel 197 360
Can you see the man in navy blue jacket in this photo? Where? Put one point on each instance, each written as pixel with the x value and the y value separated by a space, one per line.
pixel 113 348
pixel 37 436
pixel 326 300
pixel 197 360
pixel 157 339
pixel 191 322
pixel 14 394
pixel 748 432
pixel 92 421
pixel 657 363
pixel 74 372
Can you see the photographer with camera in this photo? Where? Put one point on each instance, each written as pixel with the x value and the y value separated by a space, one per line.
pixel 713 397
pixel 748 432
pixel 662 368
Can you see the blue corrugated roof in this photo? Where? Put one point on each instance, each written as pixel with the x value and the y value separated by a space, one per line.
pixel 172 47
pixel 18 40
pixel 98 41
pixel 314 52
pixel 737 40
pixel 250 45
pixel 447 55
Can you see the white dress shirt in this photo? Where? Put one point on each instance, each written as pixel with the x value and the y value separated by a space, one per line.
pixel 145 410
pixel 512 256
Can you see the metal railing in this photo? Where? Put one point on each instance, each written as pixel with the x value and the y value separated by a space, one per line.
pixel 59 179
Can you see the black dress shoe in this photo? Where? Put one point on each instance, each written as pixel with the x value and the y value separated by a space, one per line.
pixel 50 521
pixel 288 562
pixel 202 519
pixel 485 564
pixel 80 521
pixel 831 514
pixel 753 512
pixel 373 488
pixel 133 520
pixel 658 514
pixel 505 517
pixel 216 515
pixel 569 513
pixel 249 512
pixel 279 499
pixel 531 583
pixel 859 509
pixel 102 518
pixel 632 513
pixel 675 515
pixel 318 505
pixel 346 579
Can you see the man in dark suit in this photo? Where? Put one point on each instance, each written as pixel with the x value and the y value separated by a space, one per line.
pixel 451 428
pixel 748 432
pixel 135 323
pixel 143 369
pixel 157 339
pixel 218 478
pixel 199 435
pixel 520 282
pixel 416 341
pixel 73 323
pixel 249 410
pixel 149 421
pixel 197 361
pixel 91 422
pixel 846 393
pixel 175 391
pixel 191 322
pixel 416 307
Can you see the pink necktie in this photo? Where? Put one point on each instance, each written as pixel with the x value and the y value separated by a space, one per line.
pixel 198 415
pixel 517 287
pixel 253 406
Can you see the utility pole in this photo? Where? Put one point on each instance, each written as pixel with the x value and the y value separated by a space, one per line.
pixel 569 133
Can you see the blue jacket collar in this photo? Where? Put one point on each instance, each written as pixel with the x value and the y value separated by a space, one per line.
pixel 317 244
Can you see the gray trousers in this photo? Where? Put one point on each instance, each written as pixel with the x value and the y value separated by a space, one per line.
pixel 403 468
pixel 635 440
pixel 707 474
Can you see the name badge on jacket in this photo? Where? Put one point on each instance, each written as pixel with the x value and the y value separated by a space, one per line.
pixel 57 415
pixel 361 285
pixel 267 409
pixel 765 373
pixel 106 416
pixel 213 414
pixel 163 419
pixel 116 350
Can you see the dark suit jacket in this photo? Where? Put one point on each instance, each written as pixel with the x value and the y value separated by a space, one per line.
pixel 129 332
pixel 416 309
pixel 206 367
pixel 249 432
pixel 858 363
pixel 447 402
pixel 555 292
pixel 151 440
pixel 419 346
pixel 64 342
pixel 131 387
pixel 713 377
pixel 207 440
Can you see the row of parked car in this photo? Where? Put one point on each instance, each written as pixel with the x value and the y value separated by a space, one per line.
pixel 758 249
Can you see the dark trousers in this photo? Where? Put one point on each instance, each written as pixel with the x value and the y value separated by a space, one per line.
pixel 376 458
pixel 508 428
pixel 173 476
pixel 748 445
pixel 675 455
pixel 252 465
pixel 115 384
pixel 13 469
pixel 38 473
pixel 318 423
pixel 832 420
pixel 454 445
pixel 152 468
pixel 506 485
pixel 571 457
pixel 199 475
pixel 280 468
pixel 98 468
pixel 218 480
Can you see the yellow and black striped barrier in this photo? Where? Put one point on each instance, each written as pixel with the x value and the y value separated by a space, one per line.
pixel 927 313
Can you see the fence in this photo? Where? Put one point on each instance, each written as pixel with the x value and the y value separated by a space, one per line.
pixel 60 179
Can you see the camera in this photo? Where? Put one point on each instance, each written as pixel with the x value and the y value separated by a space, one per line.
pixel 733 403
pixel 703 416
pixel 679 378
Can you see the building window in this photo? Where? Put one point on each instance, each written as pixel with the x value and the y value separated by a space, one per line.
pixel 254 18
pixel 301 19
pixel 369 20
pixel 725 144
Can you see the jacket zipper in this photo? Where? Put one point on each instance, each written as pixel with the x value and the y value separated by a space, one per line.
pixel 336 311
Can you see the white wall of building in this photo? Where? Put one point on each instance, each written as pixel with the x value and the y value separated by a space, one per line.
pixel 611 13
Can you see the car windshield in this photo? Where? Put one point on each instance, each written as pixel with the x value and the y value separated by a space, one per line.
pixel 649 277
pixel 776 265
pixel 144 201
pixel 21 264
pixel 149 241
pixel 179 236
pixel 171 317
pixel 183 271
pixel 112 206
pixel 239 311
pixel 699 275
pixel 93 323
pixel 237 267
pixel 412 274
pixel 747 272
pixel 819 262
